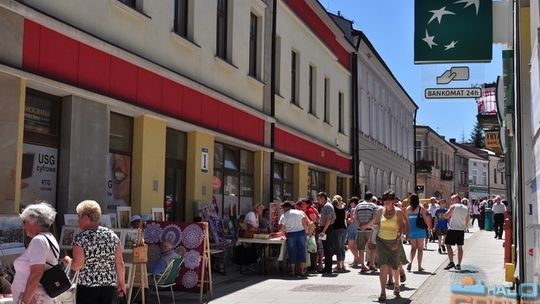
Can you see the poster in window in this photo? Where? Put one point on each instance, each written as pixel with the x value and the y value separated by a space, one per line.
pixel 40 115
pixel 118 177
pixel 38 180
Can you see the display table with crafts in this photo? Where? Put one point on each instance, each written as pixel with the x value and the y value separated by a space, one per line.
pixel 267 242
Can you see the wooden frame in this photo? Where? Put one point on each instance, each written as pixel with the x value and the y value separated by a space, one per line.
pixel 67 235
pixel 158 214
pixel 130 236
pixel 129 272
pixel 123 215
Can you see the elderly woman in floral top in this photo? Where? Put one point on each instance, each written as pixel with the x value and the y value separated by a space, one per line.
pixel 98 255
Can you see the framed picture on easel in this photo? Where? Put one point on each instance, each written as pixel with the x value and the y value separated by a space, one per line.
pixel 158 214
pixel 123 214
pixel 129 270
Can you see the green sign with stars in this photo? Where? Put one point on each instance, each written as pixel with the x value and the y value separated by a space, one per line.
pixel 449 31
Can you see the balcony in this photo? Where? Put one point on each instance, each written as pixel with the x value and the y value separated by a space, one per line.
pixel 424 166
pixel 447 175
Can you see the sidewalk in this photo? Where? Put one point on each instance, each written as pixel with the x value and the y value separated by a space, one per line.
pixel 483 254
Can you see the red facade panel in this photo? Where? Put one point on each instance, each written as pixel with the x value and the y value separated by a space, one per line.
pixel 31 40
pixel 210 112
pixel 149 90
pixel 123 79
pixel 51 54
pixel 94 71
pixel 58 56
pixel 296 146
pixel 321 30
pixel 171 98
pixel 191 108
pixel 225 120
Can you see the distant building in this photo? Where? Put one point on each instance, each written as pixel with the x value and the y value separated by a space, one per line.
pixel 434 164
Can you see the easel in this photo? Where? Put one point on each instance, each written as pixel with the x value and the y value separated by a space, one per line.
pixel 139 270
pixel 206 265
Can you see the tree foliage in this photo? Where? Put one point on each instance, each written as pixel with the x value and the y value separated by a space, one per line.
pixel 477 136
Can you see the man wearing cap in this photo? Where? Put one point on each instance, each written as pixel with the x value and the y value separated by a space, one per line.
pixel 294 224
pixel 136 221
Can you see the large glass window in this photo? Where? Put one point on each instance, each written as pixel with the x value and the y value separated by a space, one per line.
pixel 233 180
pixel 340 187
pixel 40 148
pixel 175 176
pixel 119 162
pixel 283 181
pixel 316 183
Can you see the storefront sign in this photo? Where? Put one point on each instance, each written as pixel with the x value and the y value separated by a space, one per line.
pixel 492 140
pixel 452 31
pixel 39 168
pixel 40 115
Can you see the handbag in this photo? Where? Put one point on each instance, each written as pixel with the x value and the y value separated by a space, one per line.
pixel 54 280
pixel 420 223
pixel 311 244
pixel 70 295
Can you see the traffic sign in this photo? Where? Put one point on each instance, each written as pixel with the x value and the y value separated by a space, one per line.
pixel 436 93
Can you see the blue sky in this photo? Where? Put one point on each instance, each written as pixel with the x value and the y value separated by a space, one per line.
pixel 389 26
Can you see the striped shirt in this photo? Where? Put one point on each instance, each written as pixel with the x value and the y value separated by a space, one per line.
pixel 364 212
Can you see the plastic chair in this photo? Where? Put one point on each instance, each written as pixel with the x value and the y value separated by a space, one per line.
pixel 167 279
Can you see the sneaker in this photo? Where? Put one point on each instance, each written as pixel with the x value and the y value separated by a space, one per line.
pixel 450 266
pixel 458 267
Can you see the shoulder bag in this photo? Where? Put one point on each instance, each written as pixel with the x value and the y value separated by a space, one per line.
pixel 54 280
pixel 420 223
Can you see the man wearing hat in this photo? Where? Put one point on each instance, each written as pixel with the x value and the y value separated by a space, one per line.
pixel 136 221
pixel 294 224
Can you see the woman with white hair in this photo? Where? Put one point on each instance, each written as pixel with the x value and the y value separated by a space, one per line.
pixel 98 255
pixel 42 251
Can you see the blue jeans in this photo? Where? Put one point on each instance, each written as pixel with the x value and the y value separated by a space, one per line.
pixel 296 247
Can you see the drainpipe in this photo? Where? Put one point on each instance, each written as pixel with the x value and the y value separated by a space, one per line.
pixel 414 152
pixel 272 99
pixel 519 150
pixel 354 132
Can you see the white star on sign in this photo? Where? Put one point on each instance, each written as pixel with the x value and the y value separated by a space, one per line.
pixel 469 3
pixel 451 45
pixel 439 13
pixel 429 40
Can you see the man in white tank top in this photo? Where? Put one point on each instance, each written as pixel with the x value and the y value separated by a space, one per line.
pixel 458 221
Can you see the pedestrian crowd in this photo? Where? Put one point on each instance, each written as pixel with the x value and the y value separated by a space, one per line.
pixel 373 229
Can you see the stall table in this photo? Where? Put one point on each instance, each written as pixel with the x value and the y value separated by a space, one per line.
pixel 267 243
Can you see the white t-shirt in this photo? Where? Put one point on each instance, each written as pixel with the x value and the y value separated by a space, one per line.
pixel 252 219
pixel 498 208
pixel 459 215
pixel 432 209
pixel 38 252
pixel 292 220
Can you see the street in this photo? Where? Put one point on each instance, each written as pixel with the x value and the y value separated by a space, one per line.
pixel 483 256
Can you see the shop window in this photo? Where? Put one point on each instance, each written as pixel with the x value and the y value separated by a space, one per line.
pixel 119 161
pixel 283 181
pixel 233 180
pixel 175 176
pixel 316 183
pixel 40 148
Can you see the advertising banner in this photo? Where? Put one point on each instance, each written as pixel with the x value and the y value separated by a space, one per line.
pixel 38 180
pixel 118 180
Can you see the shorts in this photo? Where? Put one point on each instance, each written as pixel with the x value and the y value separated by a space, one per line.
pixel 454 237
pixel 440 232
pixel 362 239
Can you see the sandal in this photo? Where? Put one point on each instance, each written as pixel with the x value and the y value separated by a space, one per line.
pixel 402 276
pixel 382 297
pixel 421 269
pixel 409 267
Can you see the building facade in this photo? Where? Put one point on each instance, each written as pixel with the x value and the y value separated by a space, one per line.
pixel 384 150
pixel 434 164
pixel 156 104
